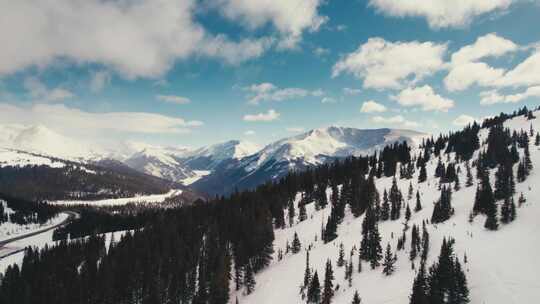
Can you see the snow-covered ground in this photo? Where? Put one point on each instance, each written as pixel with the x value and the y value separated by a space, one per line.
pixel 10 230
pixel 9 157
pixel 198 175
pixel 502 265
pixel 40 241
pixel 139 199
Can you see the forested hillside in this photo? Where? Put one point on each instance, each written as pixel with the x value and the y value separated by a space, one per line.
pixel 435 223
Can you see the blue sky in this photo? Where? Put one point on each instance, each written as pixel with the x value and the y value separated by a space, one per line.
pixel 191 73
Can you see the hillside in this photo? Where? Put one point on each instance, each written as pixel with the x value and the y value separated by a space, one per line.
pixel 501 265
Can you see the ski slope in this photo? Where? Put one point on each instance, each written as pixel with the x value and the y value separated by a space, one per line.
pixel 502 265
pixel 139 199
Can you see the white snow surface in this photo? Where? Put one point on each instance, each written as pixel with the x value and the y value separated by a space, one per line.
pixel 502 265
pixel 139 199
pixel 9 230
pixel 198 175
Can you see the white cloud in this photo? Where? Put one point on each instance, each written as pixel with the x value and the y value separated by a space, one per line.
pixel 383 64
pixel 321 52
pixel 493 97
pixel 99 80
pixel 490 45
pixel 524 74
pixel 268 116
pixel 349 91
pixel 290 17
pixel 466 70
pixel 371 106
pixel 249 133
pixel 440 13
pixel 463 120
pixel 328 100
pixel 174 99
pixel 423 97
pixel 38 91
pixel 140 38
pixel 393 120
pixel 295 129
pixel 269 92
pixel 70 120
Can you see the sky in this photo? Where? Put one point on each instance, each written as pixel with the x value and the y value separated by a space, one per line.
pixel 192 73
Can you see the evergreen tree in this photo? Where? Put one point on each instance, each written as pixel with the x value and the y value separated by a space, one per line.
pixel 296 245
pixel 356 298
pixel 457 184
pixel 407 213
pixel 307 275
pixel 385 207
pixel 443 207
pixel 350 270
pixel 328 289
pixel 395 197
pixel 389 261
pixel 370 246
pixel 314 290
pixel 469 181
pixel 418 206
pixel 422 176
pixel 302 216
pixel 419 293
pixel 411 192
pixel 341 256
pixel 249 279
pixel 508 210
pixel 425 243
pixel 491 213
pixel 291 211
pixel 537 140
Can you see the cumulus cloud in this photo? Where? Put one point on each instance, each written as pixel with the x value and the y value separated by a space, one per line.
pixel 328 100
pixel 350 91
pixel 269 92
pixel 524 74
pixel 135 38
pixel 463 120
pixel 395 120
pixel 39 91
pixel 423 97
pixel 295 129
pixel 265 117
pixel 290 17
pixel 383 64
pixel 99 80
pixel 493 96
pixel 465 68
pixel 371 106
pixel 174 99
pixel 69 120
pixel 440 13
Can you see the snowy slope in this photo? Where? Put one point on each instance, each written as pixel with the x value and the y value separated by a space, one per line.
pixel 503 265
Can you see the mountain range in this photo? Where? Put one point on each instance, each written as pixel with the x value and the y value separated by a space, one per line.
pixel 219 168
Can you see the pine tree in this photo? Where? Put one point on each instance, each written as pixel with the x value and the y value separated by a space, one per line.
pixel 341 256
pixel 395 197
pixel 356 298
pixel 359 268
pixel 508 210
pixel 419 293
pixel 411 192
pixel 350 270
pixel 537 140
pixel 425 243
pixel 422 176
pixel 469 181
pixel 385 207
pixel 389 261
pixel 307 275
pixel 302 216
pixel 249 279
pixel 370 246
pixel 418 206
pixel 296 245
pixel 314 290
pixel 443 207
pixel 407 213
pixel 457 184
pixel 328 289
pixel 491 213
pixel 290 209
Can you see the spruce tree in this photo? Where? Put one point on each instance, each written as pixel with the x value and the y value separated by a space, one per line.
pixel 443 207
pixel 307 275
pixel 419 293
pixel 341 256
pixel 422 176
pixel 411 192
pixel 291 211
pixel 370 246
pixel 314 290
pixel 389 261
pixel 385 208
pixel 328 289
pixel 356 298
pixel 350 270
pixel 302 216
pixel 249 279
pixel 469 181
pixel 296 245
pixel 407 213
pixel 537 140
pixel 491 213
pixel 418 206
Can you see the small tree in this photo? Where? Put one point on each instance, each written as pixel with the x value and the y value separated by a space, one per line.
pixel 341 256
pixel 314 290
pixel 249 279
pixel 389 261
pixel 356 298
pixel 418 206
pixel 296 245
pixel 328 289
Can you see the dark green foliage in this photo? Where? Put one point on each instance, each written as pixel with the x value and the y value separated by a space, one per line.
pixel 356 298
pixel 314 290
pixel 341 256
pixel 443 207
pixel 296 245
pixel 418 205
pixel 396 198
pixel 422 176
pixel 370 246
pixel 389 261
pixel 328 289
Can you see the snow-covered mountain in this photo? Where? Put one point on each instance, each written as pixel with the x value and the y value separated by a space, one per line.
pixel 299 152
pixel 500 266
